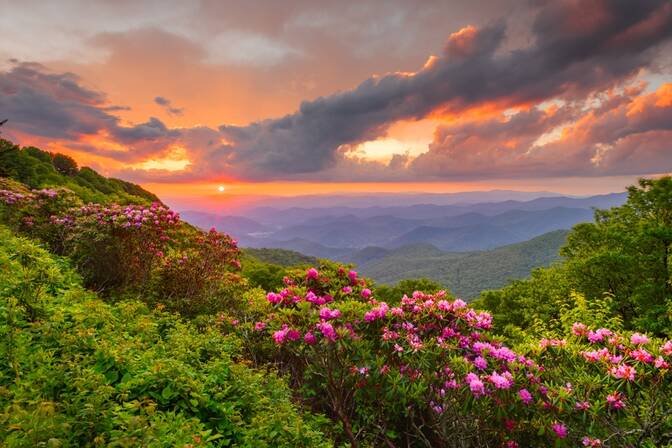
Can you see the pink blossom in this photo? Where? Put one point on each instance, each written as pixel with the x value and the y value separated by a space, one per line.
pixel 560 430
pixel 327 330
pixel 310 338
pixel 623 371
pixel 525 396
pixel 366 293
pixel 326 313
pixel 615 401
pixel 475 384
pixel 666 348
pixel 274 298
pixel 642 355
pixel 638 339
pixel 582 405
pixel 346 289
pixel 579 329
pixel 503 381
pixel 444 305
pixel 312 274
pixel 591 442
pixel 260 326
pixel 660 363
pixel 480 363
pixel 352 275
pixel 458 304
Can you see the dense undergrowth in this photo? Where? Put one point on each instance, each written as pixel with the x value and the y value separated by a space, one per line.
pixel 77 371
pixel 123 326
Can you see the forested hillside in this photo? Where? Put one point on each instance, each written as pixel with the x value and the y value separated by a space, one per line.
pixel 465 274
pixel 40 169
pixel 123 326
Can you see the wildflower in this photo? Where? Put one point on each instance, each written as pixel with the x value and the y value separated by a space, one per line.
pixel 366 293
pixel 475 384
pixel 260 326
pixel 346 289
pixel 560 430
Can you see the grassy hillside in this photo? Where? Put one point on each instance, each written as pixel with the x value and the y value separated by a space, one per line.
pixel 42 169
pixel 466 274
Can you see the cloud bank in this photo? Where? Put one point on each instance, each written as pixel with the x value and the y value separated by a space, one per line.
pixel 567 102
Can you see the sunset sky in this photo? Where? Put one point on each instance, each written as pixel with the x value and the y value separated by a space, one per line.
pixel 291 97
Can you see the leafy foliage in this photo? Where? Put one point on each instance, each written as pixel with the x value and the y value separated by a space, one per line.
pixel 76 371
pixel 41 169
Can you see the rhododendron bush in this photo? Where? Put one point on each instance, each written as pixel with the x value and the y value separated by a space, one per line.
pixel 129 248
pixel 428 371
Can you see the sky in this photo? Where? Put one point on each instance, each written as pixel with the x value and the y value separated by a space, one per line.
pixel 305 96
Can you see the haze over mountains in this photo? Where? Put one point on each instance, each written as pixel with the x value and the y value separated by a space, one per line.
pixel 446 238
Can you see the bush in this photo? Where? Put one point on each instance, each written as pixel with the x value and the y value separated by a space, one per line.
pixel 81 372
pixel 428 373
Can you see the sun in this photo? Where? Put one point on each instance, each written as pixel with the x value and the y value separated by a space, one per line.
pixel 221 188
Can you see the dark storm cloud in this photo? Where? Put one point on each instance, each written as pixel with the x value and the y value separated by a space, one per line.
pixel 57 106
pixel 577 47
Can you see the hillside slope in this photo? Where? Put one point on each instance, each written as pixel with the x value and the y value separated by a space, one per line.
pixel 465 274
pixel 41 169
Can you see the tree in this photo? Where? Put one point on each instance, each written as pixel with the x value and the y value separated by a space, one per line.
pixel 65 165
pixel 626 253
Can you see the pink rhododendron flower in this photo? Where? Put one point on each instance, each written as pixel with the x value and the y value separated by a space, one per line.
pixel 666 348
pixel 591 442
pixel 309 338
pixel 525 396
pixel 503 381
pixel 660 363
pixel 327 331
pixel 366 293
pixel 559 429
pixel 638 339
pixel 459 304
pixel 579 329
pixel 642 355
pixel 312 274
pixel 326 314
pixel 623 371
pixel 582 405
pixel 346 289
pixel 615 400
pixel 274 298
pixel 480 363
pixel 475 384
pixel 260 326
